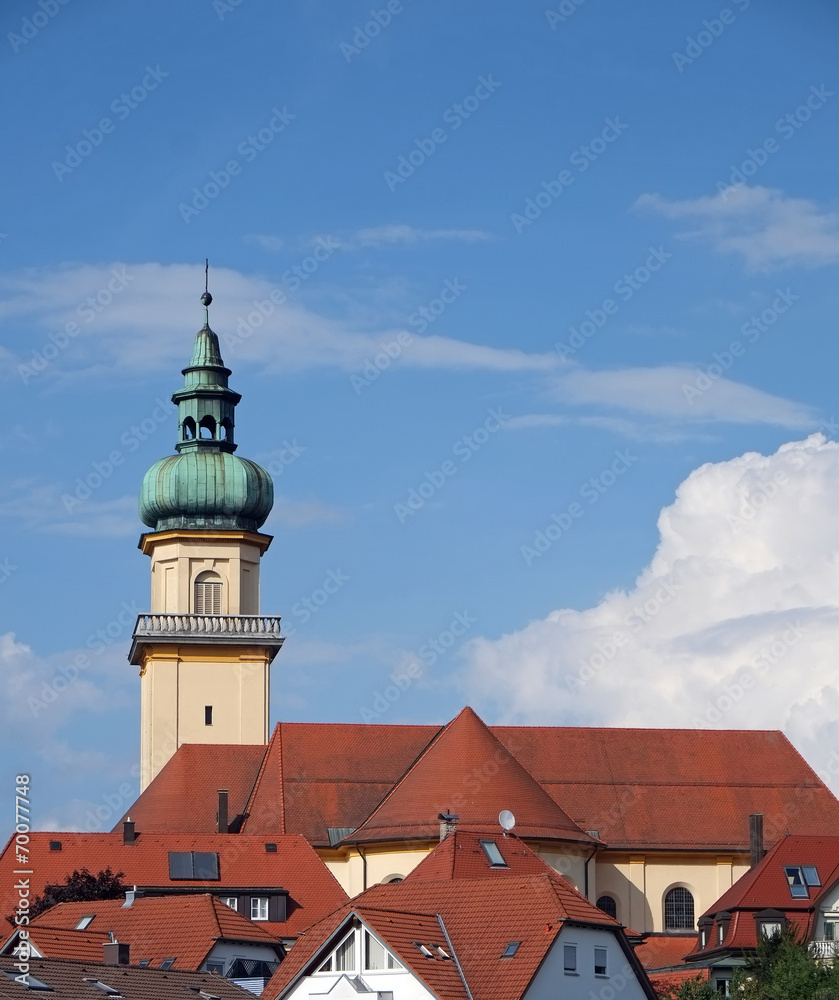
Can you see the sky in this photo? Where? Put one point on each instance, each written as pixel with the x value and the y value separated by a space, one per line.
pixel 533 312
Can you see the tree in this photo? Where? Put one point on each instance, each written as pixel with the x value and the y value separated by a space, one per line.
pixel 690 989
pixel 785 968
pixel 77 888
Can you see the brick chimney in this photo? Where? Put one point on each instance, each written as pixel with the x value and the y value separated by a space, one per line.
pixel 756 850
pixel 129 834
pixel 448 824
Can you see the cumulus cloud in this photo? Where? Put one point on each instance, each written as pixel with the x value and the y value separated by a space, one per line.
pixel 734 623
pixel 764 226
pixel 402 235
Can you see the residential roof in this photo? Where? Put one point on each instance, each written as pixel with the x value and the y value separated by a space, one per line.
pixel 466 771
pixel 481 916
pixel 243 863
pixel 766 887
pixel 637 788
pixel 663 951
pixel 156 927
pixel 75 981
pixel 461 856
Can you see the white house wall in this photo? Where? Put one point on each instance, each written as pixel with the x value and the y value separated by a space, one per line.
pixel 553 983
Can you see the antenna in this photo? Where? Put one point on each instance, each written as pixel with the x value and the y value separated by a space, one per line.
pixel 507 820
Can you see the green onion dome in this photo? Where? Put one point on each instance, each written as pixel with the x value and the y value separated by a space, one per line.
pixel 205 485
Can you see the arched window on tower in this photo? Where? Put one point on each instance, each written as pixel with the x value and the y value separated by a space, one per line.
pixel 608 905
pixel 207 595
pixel 207 427
pixel 225 430
pixel 189 429
pixel 678 910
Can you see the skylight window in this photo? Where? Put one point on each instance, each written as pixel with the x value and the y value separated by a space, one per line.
pixel 85 922
pixel 494 855
pixel 797 883
pixel 167 963
pixel 109 991
pixel 511 949
pixel 33 983
pixel 424 949
pixel 811 875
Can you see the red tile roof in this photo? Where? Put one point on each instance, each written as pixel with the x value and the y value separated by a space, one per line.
pixel 183 798
pixel 645 787
pixel 765 887
pixel 156 927
pixel 72 981
pixel 466 771
pixel 461 856
pixel 330 775
pixel 662 951
pixel 481 917
pixel 243 863
pixel 639 788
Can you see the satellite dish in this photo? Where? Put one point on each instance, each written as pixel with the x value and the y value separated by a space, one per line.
pixel 506 819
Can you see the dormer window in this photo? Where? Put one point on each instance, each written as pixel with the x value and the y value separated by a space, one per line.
pixel 769 923
pixel 207 595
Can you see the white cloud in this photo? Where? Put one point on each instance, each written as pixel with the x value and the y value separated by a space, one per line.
pixel 734 623
pixel 46 507
pixel 767 228
pixel 271 244
pixel 395 235
pixel 298 513
pixel 134 331
pixel 660 392
pixel 660 433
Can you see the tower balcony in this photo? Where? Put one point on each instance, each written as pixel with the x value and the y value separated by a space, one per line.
pixel 215 630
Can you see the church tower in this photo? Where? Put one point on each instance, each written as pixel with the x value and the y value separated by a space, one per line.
pixel 204 651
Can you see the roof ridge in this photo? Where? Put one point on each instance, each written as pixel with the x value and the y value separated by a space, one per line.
pixel 258 780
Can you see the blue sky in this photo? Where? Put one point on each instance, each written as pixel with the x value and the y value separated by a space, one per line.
pixel 511 247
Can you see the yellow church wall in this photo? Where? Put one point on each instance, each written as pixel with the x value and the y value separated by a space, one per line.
pixel 639 882
pixel 177 683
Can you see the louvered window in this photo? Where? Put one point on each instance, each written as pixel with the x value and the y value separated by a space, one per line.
pixel 207 594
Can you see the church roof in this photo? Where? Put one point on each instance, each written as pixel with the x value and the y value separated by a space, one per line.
pixel 466 771
pixel 636 788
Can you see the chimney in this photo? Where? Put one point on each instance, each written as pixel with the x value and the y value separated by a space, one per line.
pixel 128 833
pixel 115 952
pixel 448 824
pixel 222 811
pixel 130 896
pixel 756 851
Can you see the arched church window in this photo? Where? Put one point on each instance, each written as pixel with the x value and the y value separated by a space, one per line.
pixel 189 429
pixel 207 594
pixel 608 905
pixel 678 910
pixel 208 427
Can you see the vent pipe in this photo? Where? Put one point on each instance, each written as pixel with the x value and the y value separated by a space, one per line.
pixel 756 851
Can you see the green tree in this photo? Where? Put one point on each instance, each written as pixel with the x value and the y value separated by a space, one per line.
pixel 785 968
pixel 77 888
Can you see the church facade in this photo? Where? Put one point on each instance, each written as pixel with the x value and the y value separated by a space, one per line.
pixel 651 825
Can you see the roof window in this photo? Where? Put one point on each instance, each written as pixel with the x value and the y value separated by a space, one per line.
pixel 424 949
pixel 193 864
pixel 799 878
pixel 270 848
pixel 511 949
pixel 85 922
pixel 167 963
pixel 494 855
pixel 109 991
pixel 32 982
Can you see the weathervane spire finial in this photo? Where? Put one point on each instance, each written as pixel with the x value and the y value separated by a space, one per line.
pixel 206 298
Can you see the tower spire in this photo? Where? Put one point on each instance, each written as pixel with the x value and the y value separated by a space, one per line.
pixel 206 298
